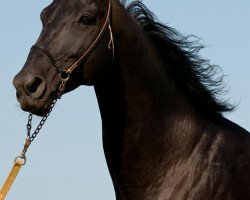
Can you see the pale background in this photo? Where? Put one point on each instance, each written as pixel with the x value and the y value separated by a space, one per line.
pixel 67 161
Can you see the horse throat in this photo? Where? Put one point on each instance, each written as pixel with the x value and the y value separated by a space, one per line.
pixel 133 104
pixel 110 96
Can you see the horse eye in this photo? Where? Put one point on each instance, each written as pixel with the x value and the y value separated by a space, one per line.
pixel 86 20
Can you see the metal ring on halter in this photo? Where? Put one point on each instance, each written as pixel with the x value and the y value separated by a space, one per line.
pixel 64 75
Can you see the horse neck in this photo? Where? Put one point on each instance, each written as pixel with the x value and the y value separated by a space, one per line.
pixel 145 117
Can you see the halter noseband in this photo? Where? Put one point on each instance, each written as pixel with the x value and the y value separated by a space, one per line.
pixel 65 74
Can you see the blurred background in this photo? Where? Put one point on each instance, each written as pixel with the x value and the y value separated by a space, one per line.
pixel 67 161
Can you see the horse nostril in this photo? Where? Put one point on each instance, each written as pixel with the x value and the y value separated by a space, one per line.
pixel 36 87
pixel 33 86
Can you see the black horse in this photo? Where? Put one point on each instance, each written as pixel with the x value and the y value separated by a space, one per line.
pixel 164 133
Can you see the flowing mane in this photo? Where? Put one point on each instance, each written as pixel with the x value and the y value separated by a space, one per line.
pixel 196 77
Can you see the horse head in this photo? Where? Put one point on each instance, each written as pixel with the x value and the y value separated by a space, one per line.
pixel 75 46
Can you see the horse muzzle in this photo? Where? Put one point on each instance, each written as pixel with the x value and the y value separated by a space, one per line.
pixel 31 93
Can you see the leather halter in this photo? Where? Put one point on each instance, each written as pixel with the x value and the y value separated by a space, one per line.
pixel 65 74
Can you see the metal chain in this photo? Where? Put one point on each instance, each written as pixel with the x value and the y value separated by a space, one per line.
pixel 30 138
